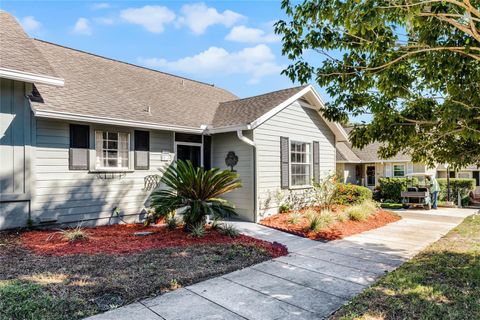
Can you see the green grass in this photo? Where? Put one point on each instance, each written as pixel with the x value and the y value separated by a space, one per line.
pixel 442 282
pixel 391 205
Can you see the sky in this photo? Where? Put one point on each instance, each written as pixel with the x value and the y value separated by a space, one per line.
pixel 227 43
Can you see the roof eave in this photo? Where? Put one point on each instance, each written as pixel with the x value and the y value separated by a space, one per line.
pixel 31 77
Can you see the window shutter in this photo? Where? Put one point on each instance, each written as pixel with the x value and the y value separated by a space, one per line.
pixel 388 170
pixel 284 163
pixel 79 145
pixel 409 168
pixel 207 152
pixel 316 161
pixel 142 150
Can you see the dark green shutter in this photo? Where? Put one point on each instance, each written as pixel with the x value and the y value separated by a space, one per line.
pixel 284 163
pixel 207 152
pixel 316 161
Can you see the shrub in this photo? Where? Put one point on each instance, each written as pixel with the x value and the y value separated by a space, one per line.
pixel 391 188
pixel 230 231
pixel 216 224
pixel 284 208
pixel 350 194
pixel 198 230
pixel 172 222
pixel 196 191
pixel 361 212
pixel 342 217
pixel 294 218
pixel 323 190
pixel 321 221
pixel 465 186
pixel 310 213
pixel 74 234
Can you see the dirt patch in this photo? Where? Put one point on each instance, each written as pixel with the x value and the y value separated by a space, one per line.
pixel 50 277
pixel 337 230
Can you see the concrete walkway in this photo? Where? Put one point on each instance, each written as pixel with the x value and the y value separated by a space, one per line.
pixel 312 282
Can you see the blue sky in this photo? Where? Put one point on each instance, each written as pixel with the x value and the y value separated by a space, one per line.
pixel 228 43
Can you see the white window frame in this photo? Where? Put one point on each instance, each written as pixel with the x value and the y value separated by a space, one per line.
pixel 99 167
pixel 309 163
pixel 404 170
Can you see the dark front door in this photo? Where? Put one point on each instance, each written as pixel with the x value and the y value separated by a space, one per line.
pixel 189 152
pixel 476 176
pixel 370 176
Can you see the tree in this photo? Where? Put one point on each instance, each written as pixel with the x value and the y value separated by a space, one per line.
pixel 196 192
pixel 414 65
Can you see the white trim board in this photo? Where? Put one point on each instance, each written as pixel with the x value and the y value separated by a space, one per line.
pixel 30 77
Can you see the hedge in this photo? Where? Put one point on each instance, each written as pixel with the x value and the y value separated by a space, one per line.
pixel 462 185
pixel 350 194
pixel 391 188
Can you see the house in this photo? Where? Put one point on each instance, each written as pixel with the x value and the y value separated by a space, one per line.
pixel 364 166
pixel 84 137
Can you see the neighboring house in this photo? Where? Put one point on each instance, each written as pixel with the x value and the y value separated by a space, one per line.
pixel 364 167
pixel 83 135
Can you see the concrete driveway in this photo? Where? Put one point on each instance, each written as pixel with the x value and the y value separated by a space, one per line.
pixel 312 282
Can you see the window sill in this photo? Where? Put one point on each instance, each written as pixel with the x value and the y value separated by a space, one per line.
pixel 111 171
pixel 300 187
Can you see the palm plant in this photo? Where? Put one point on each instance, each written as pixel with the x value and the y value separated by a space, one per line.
pixel 196 192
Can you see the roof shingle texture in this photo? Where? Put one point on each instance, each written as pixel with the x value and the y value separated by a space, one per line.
pixel 370 152
pixel 101 87
pixel 17 50
pixel 245 111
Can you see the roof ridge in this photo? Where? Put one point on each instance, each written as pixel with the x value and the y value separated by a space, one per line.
pixel 130 64
pixel 264 94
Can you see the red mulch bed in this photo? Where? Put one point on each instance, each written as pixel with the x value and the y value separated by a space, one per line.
pixel 120 239
pixel 338 230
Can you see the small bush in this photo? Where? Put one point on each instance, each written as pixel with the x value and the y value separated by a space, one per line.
pixel 310 213
pixel 74 234
pixel 230 231
pixel 350 194
pixel 342 217
pixel 321 221
pixel 198 231
pixel 172 223
pixel 362 212
pixel 294 218
pixel 391 188
pixel 462 185
pixel 216 224
pixel 284 208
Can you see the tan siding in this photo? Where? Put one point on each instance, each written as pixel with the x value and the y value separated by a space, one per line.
pixel 242 198
pixel 297 123
pixel 67 196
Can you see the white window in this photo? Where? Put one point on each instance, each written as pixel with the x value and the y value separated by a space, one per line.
pixel 464 175
pixel 300 166
pixel 112 150
pixel 398 170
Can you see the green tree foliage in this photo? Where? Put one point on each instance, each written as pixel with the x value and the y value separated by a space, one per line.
pixel 414 65
pixel 195 192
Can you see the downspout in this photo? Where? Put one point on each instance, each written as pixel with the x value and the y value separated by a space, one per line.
pixel 252 144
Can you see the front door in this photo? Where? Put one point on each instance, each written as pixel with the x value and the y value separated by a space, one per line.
pixel 370 176
pixel 190 152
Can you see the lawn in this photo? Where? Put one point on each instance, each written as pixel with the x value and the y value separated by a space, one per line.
pixel 391 206
pixel 442 282
pixel 43 276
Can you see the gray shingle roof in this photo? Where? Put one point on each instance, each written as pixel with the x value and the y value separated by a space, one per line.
pixel 245 111
pixel 345 153
pixel 17 50
pixel 370 152
pixel 102 87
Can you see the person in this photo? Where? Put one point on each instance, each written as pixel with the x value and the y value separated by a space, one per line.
pixel 434 189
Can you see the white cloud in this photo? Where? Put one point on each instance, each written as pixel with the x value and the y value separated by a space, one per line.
pixel 257 62
pixel 152 18
pixel 251 35
pixel 198 17
pixel 30 24
pixel 101 5
pixel 82 27
pixel 104 20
